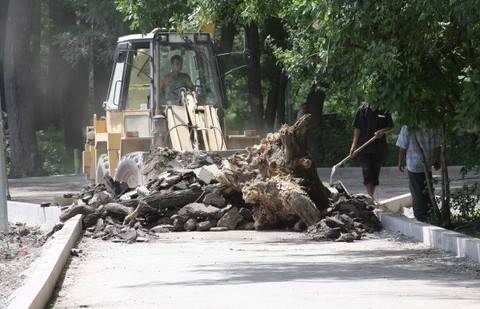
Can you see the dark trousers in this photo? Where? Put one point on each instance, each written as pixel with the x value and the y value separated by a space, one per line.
pixel 371 164
pixel 420 199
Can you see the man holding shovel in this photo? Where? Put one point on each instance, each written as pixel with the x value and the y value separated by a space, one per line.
pixel 411 144
pixel 371 123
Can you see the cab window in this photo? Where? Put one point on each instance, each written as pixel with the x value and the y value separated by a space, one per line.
pixel 116 81
pixel 138 92
pixel 197 70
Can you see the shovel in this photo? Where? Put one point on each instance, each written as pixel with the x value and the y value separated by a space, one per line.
pixel 334 168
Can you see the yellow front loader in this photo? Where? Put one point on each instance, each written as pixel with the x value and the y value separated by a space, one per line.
pixel 140 114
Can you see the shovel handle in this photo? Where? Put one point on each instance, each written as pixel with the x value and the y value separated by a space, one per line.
pixel 356 151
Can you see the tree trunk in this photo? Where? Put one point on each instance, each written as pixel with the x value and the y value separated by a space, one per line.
pixel 315 100
pixel 19 80
pixel 282 98
pixel 445 211
pixel 3 24
pixel 227 35
pixel 62 17
pixel 101 77
pixel 272 102
pixel 68 84
pixel 172 199
pixel 275 109
pixel 255 98
pixel 36 86
pixel 225 45
pixel 75 109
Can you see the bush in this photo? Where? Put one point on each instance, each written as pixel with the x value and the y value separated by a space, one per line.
pixel 465 205
pixel 51 150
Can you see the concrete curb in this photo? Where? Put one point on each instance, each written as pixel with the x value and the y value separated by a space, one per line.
pixel 396 203
pixel 432 236
pixel 43 274
pixel 33 214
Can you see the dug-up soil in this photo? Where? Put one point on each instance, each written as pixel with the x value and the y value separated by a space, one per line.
pixel 18 249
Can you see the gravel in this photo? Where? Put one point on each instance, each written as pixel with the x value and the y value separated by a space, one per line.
pixel 18 249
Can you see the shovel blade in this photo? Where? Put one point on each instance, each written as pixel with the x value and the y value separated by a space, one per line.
pixel 334 168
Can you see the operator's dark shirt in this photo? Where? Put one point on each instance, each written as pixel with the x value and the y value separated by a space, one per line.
pixel 369 121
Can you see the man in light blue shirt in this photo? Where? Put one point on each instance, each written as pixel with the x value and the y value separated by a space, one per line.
pixel 410 156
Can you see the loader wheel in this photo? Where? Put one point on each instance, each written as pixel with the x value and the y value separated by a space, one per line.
pixel 102 169
pixel 130 169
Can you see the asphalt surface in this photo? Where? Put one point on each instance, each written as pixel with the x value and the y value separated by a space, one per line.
pixel 248 269
pixel 43 189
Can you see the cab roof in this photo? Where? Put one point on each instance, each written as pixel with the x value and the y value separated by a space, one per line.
pixel 135 37
pixel 174 37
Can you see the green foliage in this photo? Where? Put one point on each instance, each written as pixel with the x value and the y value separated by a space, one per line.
pixel 237 114
pixel 51 151
pixel 93 34
pixel 217 11
pixel 465 205
pixel 145 15
pixel 335 132
pixel 407 56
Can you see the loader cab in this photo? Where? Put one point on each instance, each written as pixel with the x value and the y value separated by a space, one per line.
pixel 198 65
pixel 143 62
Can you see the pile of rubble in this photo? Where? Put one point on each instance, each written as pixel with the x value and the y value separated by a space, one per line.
pixel 183 196
pixel 272 185
pixel 349 218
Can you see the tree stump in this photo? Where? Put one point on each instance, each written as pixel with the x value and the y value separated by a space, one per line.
pixel 278 177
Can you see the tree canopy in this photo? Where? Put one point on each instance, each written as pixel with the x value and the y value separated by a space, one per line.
pixel 418 58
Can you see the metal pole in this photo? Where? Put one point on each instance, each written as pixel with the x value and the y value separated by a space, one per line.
pixel 76 161
pixel 3 182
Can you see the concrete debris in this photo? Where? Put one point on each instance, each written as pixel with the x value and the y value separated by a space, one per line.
pixel 190 225
pixel 218 229
pixel 162 228
pixel 215 198
pixel 207 173
pixel 130 235
pixel 231 219
pixel 198 210
pixel 206 225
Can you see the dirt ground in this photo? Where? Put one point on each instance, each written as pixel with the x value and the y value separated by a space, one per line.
pixel 18 249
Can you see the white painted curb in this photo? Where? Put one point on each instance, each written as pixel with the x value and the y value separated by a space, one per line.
pixel 396 203
pixel 432 236
pixel 43 274
pixel 33 214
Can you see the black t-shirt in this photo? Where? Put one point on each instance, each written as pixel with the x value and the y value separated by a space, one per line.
pixel 369 121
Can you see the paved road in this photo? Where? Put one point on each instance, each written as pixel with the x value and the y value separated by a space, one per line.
pixel 44 189
pixel 239 269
